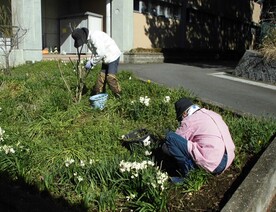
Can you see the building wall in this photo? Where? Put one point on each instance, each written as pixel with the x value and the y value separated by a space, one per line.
pixel 27 15
pixel 205 25
pixel 256 13
pixel 155 32
pixel 139 36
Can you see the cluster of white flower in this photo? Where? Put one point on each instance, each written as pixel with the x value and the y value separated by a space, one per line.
pixel 7 149
pixel 2 134
pixel 134 167
pixel 161 178
pixel 145 100
pixel 68 162
pixel 167 99
pixel 79 178
pixel 82 163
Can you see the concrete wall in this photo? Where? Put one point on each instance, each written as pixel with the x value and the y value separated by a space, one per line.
pixel 122 23
pixel 27 15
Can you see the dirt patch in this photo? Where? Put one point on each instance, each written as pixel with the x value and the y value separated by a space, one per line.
pixel 215 193
pixel 211 197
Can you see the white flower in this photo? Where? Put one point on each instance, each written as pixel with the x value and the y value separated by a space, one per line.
pixel 80 178
pixel 148 153
pixel 68 162
pixel 75 173
pixel 7 149
pixel 131 196
pixel 153 185
pixel 147 103
pixel 134 167
pixel 161 178
pixel 2 134
pixel 146 142
pixel 167 99
pixel 145 100
pixel 142 99
pixel 82 164
pixel 91 161
pixel 150 163
pixel 129 78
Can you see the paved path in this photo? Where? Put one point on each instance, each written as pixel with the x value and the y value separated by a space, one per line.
pixel 208 80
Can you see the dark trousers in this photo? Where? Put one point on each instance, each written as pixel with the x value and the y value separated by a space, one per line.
pixel 176 147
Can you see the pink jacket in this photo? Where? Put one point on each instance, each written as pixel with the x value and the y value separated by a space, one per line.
pixel 208 137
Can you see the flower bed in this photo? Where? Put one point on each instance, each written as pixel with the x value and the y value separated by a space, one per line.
pixel 75 153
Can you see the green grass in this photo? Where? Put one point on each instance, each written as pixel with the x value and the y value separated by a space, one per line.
pixel 75 151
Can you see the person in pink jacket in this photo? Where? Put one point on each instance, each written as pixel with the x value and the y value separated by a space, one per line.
pixel 202 140
pixel 105 50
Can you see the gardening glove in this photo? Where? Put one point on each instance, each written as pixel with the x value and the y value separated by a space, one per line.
pixel 89 65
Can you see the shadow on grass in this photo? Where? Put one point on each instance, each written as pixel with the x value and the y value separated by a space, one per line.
pixel 20 197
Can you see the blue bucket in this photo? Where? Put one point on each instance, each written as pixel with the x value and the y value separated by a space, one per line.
pixel 98 101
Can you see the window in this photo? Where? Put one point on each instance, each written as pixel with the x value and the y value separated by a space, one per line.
pixel 141 6
pixel 165 8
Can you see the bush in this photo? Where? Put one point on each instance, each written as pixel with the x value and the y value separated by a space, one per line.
pixel 268 45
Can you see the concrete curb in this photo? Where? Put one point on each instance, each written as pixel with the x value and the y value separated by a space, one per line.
pixel 259 187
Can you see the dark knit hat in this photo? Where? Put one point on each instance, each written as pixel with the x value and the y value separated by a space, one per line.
pixel 180 106
pixel 80 36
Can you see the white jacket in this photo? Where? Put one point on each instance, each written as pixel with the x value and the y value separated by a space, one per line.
pixel 103 47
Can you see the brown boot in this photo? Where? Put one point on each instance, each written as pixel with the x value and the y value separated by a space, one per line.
pixel 98 88
pixel 114 84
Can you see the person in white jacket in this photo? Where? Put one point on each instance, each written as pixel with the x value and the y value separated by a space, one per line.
pixel 104 49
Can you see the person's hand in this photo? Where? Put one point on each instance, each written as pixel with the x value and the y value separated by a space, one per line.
pixel 88 65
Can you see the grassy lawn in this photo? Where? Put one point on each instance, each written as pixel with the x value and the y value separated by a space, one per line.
pixel 75 152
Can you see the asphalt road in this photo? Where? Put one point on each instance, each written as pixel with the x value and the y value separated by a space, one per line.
pixel 210 81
